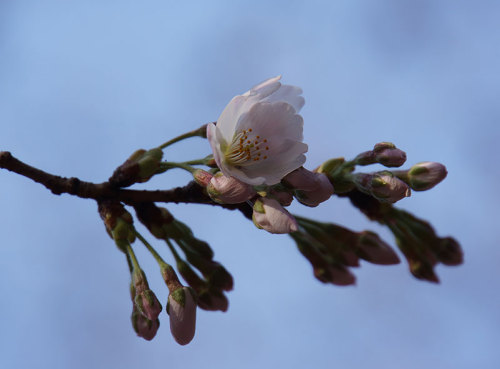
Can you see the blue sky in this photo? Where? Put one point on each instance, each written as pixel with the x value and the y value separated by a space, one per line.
pixel 84 84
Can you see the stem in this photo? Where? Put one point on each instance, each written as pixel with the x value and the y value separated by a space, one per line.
pixel 200 132
pixel 172 250
pixel 169 165
pixel 132 258
pixel 203 161
pixel 151 249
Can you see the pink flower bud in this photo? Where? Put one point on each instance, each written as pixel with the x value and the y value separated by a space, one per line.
pixel 302 179
pixel 144 327
pixel 322 192
pixel 389 155
pixel 423 176
pixel 283 197
pixel 147 304
pixel 181 308
pixel 229 190
pixel 386 187
pixel 268 214
pixel 202 177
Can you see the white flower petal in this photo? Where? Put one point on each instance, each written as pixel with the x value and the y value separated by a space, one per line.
pixel 265 88
pixel 289 94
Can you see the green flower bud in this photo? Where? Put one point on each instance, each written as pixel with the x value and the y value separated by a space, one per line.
pixel 330 166
pixel 118 223
pixel 139 167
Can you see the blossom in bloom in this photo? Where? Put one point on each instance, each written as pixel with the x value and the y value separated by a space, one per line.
pixel 181 308
pixel 258 136
pixel 271 216
pixel 229 190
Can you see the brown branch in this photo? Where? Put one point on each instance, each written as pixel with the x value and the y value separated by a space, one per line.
pixel 191 193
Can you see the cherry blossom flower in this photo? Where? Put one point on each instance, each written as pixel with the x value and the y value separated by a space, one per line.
pixel 258 136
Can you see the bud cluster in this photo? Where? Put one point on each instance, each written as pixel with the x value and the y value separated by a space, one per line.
pixel 332 250
pixel 240 176
pixel 146 307
pixel 309 188
pixel 214 279
pixel 421 246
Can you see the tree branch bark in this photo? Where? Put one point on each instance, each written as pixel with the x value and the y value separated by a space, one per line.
pixel 191 193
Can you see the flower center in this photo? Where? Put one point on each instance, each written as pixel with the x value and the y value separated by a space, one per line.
pixel 246 149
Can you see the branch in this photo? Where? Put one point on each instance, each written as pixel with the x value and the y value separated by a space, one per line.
pixel 190 193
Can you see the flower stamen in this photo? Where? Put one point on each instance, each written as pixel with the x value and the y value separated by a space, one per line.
pixel 242 151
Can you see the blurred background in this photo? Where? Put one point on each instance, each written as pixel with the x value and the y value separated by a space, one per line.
pixel 84 84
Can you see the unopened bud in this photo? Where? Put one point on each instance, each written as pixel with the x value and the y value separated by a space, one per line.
pixel 388 155
pixel 423 270
pixel 384 186
pixel 143 326
pixel 423 176
pixel 202 177
pixel 181 308
pixel 322 192
pixel 450 252
pixel 268 214
pixel 139 167
pixel 212 300
pixel 229 190
pixel 371 248
pixel 147 304
pixel 329 166
pixel 285 198
pixel 118 223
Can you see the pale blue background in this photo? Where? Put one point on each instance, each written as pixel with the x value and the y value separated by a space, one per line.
pixel 85 83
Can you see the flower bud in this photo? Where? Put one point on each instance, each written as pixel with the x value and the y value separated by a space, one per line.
pixel 329 166
pixel 450 252
pixel 144 327
pixel 311 188
pixel 229 190
pixel 202 177
pixel 371 248
pixel 423 176
pixel 384 186
pixel 423 270
pixel 301 179
pixel 139 167
pixel 144 299
pixel 268 214
pixel 147 304
pixel 181 308
pixel 388 155
pixel 283 197
pixel 118 223
pixel 322 192
pixel 212 300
